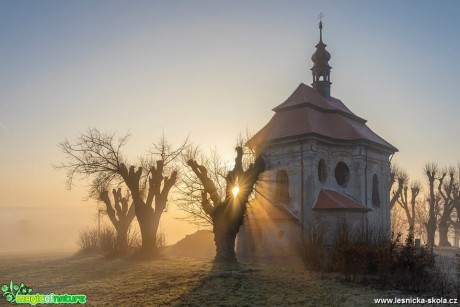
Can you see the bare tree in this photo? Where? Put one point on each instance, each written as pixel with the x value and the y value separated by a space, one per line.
pixel 190 187
pixel 121 214
pixel 431 171
pixel 227 213
pixel 409 204
pixel 399 176
pixel 422 216
pixel 449 192
pixel 456 217
pixel 97 157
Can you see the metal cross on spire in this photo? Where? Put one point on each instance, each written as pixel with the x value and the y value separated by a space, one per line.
pixel 320 17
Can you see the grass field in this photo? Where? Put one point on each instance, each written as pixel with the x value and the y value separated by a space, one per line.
pixel 176 281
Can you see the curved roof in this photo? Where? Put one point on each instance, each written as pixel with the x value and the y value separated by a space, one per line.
pixel 307 112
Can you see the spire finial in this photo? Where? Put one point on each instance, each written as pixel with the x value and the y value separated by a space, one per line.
pixel 320 17
pixel 321 69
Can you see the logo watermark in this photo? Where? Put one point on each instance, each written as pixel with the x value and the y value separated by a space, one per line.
pixel 21 294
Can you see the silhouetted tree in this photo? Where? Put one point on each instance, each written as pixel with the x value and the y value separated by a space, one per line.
pixel 399 176
pixel 190 188
pixel 150 208
pixel 449 192
pixel 120 214
pixel 455 221
pixel 431 171
pixel 98 157
pixel 227 214
pixel 456 216
pixel 409 204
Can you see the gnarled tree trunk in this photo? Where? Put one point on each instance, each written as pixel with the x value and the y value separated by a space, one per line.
pixel 448 193
pixel 443 231
pixel 121 215
pixel 149 212
pixel 226 224
pixel 227 215
pixel 431 171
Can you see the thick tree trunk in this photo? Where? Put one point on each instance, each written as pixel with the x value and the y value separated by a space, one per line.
pixel 148 229
pixel 443 231
pixel 227 215
pixel 457 233
pixel 148 224
pixel 225 245
pixel 431 173
pixel 227 219
pixel 148 235
pixel 122 241
pixel 121 215
pixel 147 216
pixel 430 232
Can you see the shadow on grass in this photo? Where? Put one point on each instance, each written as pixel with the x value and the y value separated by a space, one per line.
pixel 50 274
pixel 228 284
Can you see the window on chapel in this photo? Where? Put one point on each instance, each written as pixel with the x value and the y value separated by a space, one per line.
pixel 322 171
pixel 342 174
pixel 375 191
pixel 282 187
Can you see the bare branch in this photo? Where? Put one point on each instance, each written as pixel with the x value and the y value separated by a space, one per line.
pixel 209 186
pixel 93 155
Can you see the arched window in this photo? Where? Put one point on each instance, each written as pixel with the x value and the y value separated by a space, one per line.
pixel 282 187
pixel 322 171
pixel 342 174
pixel 375 191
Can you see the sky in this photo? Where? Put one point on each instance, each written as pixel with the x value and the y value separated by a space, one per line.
pixel 212 69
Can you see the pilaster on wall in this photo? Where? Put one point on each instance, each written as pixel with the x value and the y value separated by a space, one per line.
pixel 300 158
pixel 310 184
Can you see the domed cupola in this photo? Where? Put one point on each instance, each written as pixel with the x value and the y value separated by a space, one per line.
pixel 321 70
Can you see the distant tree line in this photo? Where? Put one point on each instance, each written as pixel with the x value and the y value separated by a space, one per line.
pixel 430 208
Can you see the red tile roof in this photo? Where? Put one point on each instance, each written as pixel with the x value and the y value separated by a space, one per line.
pixel 329 199
pixel 306 112
pixel 262 209
pixel 305 94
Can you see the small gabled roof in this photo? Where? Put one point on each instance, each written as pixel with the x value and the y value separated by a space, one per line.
pixel 307 112
pixel 262 209
pixel 333 200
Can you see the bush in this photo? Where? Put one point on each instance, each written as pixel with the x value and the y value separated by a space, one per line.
pixel 355 251
pixel 104 241
pixel 108 242
pixel 362 252
pixel 406 267
pixel 395 264
pixel 88 240
pixel 311 247
pixel 457 276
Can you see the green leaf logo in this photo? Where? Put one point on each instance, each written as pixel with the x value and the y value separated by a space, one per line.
pixel 10 292
pixel 9 298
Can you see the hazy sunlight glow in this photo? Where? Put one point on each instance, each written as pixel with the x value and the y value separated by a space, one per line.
pixel 235 190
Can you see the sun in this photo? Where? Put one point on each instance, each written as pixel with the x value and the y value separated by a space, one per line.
pixel 235 190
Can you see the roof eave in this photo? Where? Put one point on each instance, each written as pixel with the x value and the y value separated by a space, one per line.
pixel 389 150
pixel 341 209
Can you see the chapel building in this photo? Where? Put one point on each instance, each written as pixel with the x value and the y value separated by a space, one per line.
pixel 324 164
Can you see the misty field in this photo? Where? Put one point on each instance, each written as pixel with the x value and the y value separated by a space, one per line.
pixel 177 281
